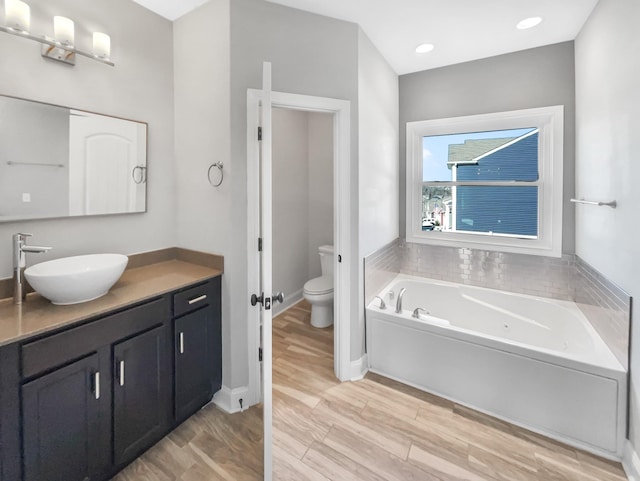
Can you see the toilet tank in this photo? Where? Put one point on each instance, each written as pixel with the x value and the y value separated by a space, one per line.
pixel 326 260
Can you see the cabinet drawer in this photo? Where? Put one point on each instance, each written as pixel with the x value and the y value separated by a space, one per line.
pixel 53 351
pixel 191 299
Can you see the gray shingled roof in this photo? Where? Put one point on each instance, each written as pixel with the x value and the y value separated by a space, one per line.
pixel 463 153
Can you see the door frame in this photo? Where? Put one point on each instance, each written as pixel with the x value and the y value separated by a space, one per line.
pixel 341 110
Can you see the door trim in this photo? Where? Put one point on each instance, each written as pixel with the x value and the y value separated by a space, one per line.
pixel 341 110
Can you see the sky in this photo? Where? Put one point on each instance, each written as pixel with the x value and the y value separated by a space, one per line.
pixel 435 150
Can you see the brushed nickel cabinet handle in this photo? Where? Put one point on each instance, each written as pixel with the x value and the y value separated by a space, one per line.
pixel 197 299
pixel 96 384
pixel 181 336
pixel 121 373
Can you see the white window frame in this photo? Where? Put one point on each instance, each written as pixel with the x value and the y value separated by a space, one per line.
pixel 550 122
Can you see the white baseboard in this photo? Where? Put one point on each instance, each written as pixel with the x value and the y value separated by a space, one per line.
pixel 229 399
pixel 289 300
pixel 360 368
pixel 631 462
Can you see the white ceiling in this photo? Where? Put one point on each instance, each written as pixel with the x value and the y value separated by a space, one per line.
pixel 461 30
pixel 171 9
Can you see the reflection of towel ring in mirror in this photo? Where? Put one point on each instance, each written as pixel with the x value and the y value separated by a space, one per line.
pixel 141 177
pixel 219 165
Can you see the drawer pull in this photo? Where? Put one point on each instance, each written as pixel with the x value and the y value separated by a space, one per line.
pixel 181 342
pixel 96 384
pixel 121 373
pixel 197 299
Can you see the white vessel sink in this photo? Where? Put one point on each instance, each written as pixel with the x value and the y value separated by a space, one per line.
pixel 72 280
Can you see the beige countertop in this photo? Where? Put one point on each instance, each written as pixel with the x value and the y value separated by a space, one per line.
pixel 37 315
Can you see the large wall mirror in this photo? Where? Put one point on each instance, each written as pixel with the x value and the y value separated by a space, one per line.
pixel 57 162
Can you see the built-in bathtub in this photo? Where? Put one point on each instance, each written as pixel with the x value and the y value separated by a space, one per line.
pixel 534 362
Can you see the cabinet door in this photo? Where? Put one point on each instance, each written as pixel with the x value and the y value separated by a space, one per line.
pixel 193 362
pixel 61 413
pixel 140 394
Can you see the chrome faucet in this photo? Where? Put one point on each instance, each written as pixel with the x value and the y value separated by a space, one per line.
pixel 382 306
pixel 20 248
pixel 399 301
pixel 416 312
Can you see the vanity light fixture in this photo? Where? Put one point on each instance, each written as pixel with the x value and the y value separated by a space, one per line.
pixel 62 46
pixel 528 23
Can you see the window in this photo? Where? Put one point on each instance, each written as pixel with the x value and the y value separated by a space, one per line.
pixel 489 181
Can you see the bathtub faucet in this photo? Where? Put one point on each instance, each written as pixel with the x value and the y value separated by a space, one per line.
pixel 383 306
pixel 416 312
pixel 399 301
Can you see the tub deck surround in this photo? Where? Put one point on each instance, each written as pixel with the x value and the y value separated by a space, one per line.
pixel 38 316
pixel 534 362
pixel 606 306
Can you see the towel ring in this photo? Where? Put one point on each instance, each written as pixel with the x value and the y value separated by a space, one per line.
pixel 219 165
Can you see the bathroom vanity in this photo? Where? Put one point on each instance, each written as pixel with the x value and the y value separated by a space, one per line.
pixel 85 389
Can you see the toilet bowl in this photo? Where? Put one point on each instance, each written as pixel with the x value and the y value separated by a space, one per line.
pixel 319 291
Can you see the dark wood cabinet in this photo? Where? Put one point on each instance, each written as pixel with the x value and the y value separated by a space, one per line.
pixel 193 360
pixel 140 394
pixel 81 403
pixel 197 344
pixel 62 420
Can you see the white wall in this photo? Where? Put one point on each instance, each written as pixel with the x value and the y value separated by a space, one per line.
pixel 139 87
pixel 378 125
pixel 202 131
pixel 607 166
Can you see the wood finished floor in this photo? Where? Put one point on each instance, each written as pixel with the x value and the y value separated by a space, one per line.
pixel 380 430
pixel 209 446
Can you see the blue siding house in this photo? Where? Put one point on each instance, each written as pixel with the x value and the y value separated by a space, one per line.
pixel 499 209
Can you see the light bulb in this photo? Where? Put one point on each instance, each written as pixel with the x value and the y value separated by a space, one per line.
pixel 17 15
pixel 63 31
pixel 101 45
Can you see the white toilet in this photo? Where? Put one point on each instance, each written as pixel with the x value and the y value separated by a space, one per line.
pixel 319 291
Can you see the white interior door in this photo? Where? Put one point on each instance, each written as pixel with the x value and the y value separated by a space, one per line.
pixel 266 263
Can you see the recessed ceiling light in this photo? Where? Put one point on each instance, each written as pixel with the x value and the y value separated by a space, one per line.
pixel 424 48
pixel 529 23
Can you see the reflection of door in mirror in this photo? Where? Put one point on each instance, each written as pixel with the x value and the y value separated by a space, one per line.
pixel 103 153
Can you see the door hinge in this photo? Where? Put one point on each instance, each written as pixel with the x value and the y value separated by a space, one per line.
pixel 260 354
pixel 259 244
pixel 259 133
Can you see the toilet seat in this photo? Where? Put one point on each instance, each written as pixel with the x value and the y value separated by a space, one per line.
pixel 319 285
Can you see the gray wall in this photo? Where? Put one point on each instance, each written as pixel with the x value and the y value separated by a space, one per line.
pixel 538 77
pixel 139 87
pixel 302 197
pixel 607 168
pixel 290 200
pixel 310 55
pixel 320 188
pixel 39 133
pixel 202 133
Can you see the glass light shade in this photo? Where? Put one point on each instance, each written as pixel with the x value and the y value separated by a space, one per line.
pixel 63 30
pixel 17 15
pixel 101 45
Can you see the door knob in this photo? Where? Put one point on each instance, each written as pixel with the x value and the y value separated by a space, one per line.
pixel 278 297
pixel 255 299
